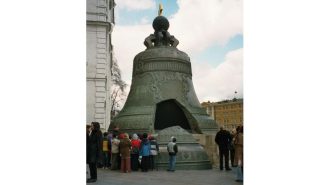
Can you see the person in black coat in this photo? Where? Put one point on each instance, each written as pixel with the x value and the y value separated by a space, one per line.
pixel 94 150
pixel 223 139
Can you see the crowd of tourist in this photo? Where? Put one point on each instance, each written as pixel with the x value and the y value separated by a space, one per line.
pixel 124 152
pixel 121 151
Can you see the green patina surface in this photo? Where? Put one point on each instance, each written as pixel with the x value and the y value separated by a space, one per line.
pixel 162 73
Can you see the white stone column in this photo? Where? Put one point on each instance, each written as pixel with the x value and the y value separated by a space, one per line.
pixel 99 59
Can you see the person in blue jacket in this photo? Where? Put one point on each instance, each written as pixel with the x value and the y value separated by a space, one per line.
pixel 145 152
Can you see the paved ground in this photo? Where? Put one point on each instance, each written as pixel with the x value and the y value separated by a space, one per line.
pixel 162 177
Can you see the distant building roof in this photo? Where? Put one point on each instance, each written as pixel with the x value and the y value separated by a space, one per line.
pixel 235 100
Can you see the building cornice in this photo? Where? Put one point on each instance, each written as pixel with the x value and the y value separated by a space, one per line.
pixel 94 78
pixel 100 23
pixel 109 25
pixel 97 13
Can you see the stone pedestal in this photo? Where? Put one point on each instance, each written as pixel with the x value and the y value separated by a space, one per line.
pixel 191 155
pixel 210 147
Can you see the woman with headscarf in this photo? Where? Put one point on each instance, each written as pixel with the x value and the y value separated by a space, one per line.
pixel 94 150
pixel 115 152
pixel 136 142
pixel 124 147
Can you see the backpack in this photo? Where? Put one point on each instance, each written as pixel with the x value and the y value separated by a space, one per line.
pixel 135 150
pixel 153 149
pixel 145 149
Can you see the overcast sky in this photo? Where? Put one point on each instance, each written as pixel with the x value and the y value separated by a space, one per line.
pixel 210 32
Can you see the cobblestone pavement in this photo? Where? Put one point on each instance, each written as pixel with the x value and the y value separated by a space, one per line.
pixel 163 177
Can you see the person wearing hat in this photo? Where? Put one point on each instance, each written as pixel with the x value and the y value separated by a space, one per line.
pixel 124 148
pixel 145 152
pixel 172 150
pixel 154 150
pixel 115 152
pixel 136 142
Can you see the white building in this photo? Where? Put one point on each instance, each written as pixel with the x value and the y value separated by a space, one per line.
pixel 100 23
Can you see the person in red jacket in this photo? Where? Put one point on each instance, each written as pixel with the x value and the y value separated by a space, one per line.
pixel 135 142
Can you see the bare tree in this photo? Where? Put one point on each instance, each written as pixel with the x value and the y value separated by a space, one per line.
pixel 117 88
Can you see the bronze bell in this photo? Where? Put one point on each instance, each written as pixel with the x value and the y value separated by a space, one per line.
pixel 162 96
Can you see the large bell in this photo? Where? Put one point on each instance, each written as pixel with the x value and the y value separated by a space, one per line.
pixel 162 95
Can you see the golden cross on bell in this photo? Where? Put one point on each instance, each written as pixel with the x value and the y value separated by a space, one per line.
pixel 160 10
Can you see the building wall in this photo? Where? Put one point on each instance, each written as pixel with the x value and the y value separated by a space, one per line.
pixel 228 114
pixel 99 25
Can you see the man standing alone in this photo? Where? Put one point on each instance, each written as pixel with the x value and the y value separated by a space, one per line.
pixel 172 149
pixel 94 150
pixel 223 140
